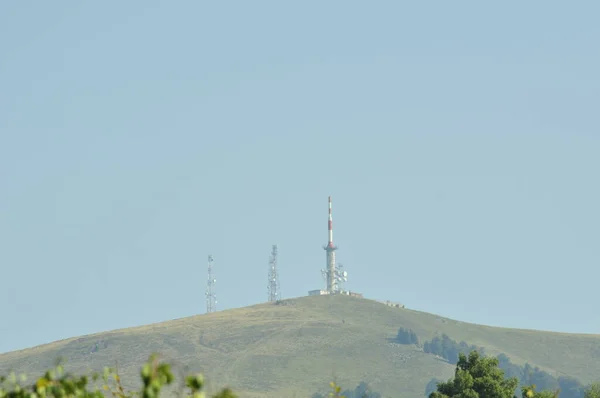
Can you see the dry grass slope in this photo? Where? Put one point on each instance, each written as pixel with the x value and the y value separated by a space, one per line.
pixel 297 347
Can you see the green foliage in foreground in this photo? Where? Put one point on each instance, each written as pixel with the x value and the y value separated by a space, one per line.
pixel 476 376
pixel 154 374
pixel 55 383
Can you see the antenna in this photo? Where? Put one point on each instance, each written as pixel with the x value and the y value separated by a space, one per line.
pixel 330 272
pixel 211 297
pixel 337 281
pixel 341 276
pixel 273 283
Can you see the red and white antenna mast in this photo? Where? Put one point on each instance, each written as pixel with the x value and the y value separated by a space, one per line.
pixel 330 226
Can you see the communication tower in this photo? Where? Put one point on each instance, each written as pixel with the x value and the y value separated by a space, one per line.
pixel 273 285
pixel 330 273
pixel 334 274
pixel 211 297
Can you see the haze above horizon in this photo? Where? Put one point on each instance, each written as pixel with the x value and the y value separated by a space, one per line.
pixel 459 144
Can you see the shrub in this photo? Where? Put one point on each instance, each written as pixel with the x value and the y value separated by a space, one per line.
pixel 407 336
pixel 56 384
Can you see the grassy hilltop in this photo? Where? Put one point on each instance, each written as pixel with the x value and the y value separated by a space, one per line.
pixel 296 347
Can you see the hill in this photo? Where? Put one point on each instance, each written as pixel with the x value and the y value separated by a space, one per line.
pixel 296 347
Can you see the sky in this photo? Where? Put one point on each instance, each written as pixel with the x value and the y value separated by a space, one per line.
pixel 459 142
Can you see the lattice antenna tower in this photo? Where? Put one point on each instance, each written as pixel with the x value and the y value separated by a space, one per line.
pixel 211 297
pixel 273 283
pixel 329 273
pixel 341 276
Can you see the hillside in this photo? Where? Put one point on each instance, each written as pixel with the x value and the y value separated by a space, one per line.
pixel 296 347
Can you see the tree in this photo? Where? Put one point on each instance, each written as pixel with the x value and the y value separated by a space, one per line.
pixel 361 391
pixel 570 387
pixel 449 349
pixel 543 380
pixel 475 377
pixel 529 392
pixel 407 336
pixel 509 368
pixel 593 391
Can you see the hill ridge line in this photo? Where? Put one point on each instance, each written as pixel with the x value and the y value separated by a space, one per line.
pixel 266 304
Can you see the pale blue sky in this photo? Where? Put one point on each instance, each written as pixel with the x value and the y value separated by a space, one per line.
pixel 460 144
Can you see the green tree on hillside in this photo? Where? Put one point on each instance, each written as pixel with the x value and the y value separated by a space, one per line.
pixel 510 369
pixel 536 376
pixel 527 375
pixel 361 391
pixel 407 336
pixel 570 387
pixel 449 349
pixel 475 377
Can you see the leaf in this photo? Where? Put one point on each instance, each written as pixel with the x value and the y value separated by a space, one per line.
pixel 42 382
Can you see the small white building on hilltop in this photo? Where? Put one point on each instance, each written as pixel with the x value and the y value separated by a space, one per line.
pixel 393 304
pixel 319 292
